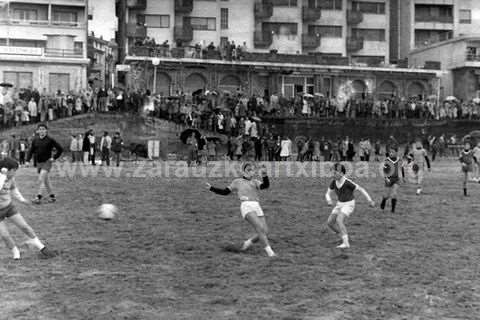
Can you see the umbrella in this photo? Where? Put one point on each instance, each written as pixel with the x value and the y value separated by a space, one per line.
pixel 432 97
pixel 187 133
pixel 318 94
pixel 476 100
pixel 6 85
pixel 198 92
pixel 255 118
pixel 450 98
pixel 300 138
pixel 308 95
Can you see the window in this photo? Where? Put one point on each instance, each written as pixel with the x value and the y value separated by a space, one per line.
pixel 369 34
pixel 59 81
pixel 434 13
pixel 465 16
pixel 284 3
pixel 326 31
pixel 224 18
pixel 65 16
pixel 155 20
pixel 27 43
pixel 25 14
pixel 369 7
pixel 18 79
pixel 427 37
pixel 325 4
pixel 278 28
pixel 201 23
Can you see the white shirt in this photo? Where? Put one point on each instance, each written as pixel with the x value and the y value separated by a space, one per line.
pixel 285 147
pixel 32 108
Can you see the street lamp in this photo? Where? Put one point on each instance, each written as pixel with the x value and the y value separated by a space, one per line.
pixel 155 62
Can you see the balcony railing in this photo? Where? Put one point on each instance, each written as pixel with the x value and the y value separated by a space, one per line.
pixel 310 41
pixel 262 39
pixel 473 57
pixel 263 10
pixel 183 6
pixel 354 17
pixel 354 44
pixel 65 53
pixel 39 23
pixel 311 14
pixel 137 4
pixel 434 19
pixel 183 33
pixel 136 31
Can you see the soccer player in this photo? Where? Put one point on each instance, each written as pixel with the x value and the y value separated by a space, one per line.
pixel 391 170
pixel 7 210
pixel 247 190
pixel 467 159
pixel 344 189
pixel 42 146
pixel 418 157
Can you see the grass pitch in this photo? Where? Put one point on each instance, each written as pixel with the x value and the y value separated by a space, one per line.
pixel 167 256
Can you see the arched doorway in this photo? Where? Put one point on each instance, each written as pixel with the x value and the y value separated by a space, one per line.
pixel 164 84
pixel 386 90
pixel 416 89
pixel 359 89
pixel 194 82
pixel 229 83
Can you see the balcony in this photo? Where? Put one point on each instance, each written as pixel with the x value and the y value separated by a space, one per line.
pixel 433 19
pixel 137 4
pixel 183 6
pixel 354 44
pixel 42 23
pixel 310 41
pixel 263 10
pixel 183 33
pixel 136 31
pixel 311 14
pixel 64 53
pixel 262 39
pixel 354 17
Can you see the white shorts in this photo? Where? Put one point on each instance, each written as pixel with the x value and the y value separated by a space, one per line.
pixel 344 207
pixel 251 206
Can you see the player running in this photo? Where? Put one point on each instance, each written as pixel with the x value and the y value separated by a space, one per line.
pixel 418 158
pixel 391 169
pixel 467 159
pixel 344 189
pixel 247 190
pixel 42 148
pixel 8 210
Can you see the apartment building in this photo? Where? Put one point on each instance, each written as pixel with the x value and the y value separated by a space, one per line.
pixel 293 46
pixel 421 23
pixel 357 29
pixel 43 44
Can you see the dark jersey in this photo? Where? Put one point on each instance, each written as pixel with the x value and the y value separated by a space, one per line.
pixel 43 148
pixel 345 191
pixel 391 167
pixel 467 157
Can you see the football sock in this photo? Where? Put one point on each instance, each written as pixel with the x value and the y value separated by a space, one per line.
pixel 39 196
pixel 247 244
pixel 384 202
pixel 16 253
pixel 394 204
pixel 345 239
pixel 36 243
pixel 52 196
pixel 465 192
pixel 269 251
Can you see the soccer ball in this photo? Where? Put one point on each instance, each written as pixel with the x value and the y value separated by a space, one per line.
pixel 107 211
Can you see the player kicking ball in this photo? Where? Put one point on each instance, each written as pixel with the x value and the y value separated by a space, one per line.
pixel 391 171
pixel 7 210
pixel 247 190
pixel 467 159
pixel 344 188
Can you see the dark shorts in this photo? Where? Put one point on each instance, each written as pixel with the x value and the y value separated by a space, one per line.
pixel 467 168
pixel 8 211
pixel 47 166
pixel 390 182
